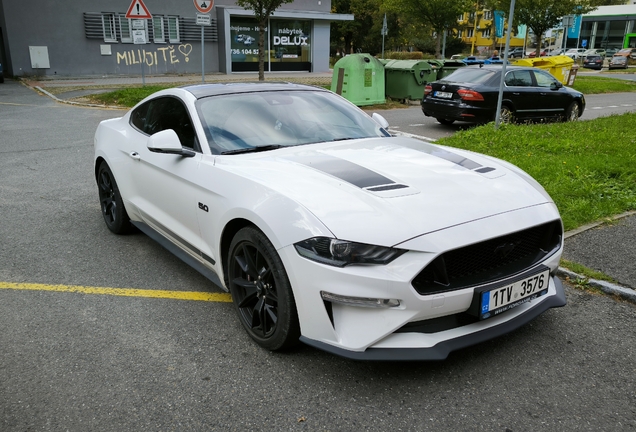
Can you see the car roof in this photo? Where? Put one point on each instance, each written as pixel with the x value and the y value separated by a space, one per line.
pixel 205 90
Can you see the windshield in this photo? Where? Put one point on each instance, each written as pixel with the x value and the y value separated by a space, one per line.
pixel 470 75
pixel 269 120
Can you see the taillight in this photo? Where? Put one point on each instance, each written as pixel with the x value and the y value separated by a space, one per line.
pixel 470 95
pixel 428 89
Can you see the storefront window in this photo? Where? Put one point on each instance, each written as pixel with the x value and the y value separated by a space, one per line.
pixel 290 43
pixel 244 45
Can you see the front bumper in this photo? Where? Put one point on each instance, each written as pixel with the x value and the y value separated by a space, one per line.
pixel 410 331
pixel 441 350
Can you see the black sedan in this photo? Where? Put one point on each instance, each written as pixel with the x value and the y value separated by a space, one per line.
pixel 594 61
pixel 470 94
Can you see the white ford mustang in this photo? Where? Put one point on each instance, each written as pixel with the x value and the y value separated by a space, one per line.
pixel 324 227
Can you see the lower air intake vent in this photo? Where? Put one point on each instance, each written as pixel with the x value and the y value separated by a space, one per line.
pixel 489 260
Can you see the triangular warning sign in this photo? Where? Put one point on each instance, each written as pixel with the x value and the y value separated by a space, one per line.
pixel 138 10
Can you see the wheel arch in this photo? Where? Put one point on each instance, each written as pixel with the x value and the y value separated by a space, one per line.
pixel 98 163
pixel 229 231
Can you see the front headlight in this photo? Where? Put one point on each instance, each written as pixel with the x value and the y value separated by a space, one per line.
pixel 341 253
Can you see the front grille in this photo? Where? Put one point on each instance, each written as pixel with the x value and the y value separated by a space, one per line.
pixel 490 260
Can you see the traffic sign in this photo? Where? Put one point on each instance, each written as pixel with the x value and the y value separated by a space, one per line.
pixel 203 20
pixel 138 10
pixel 204 6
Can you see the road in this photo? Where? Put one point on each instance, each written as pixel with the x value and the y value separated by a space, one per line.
pixel 412 120
pixel 80 361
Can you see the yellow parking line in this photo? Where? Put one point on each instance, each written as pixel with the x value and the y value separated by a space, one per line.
pixel 126 292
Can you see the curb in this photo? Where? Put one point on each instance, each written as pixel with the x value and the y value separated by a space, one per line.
pixel 57 99
pixel 627 294
pixel 607 287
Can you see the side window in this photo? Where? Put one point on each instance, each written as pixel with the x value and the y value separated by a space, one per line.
pixel 138 117
pixel 167 113
pixel 519 79
pixel 544 79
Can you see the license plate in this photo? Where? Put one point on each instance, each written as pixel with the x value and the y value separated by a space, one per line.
pixel 501 299
pixel 444 95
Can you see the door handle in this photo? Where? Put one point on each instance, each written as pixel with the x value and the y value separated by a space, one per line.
pixel 516 94
pixel 134 155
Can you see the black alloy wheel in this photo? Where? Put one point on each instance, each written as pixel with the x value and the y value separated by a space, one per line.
pixel 261 291
pixel 112 206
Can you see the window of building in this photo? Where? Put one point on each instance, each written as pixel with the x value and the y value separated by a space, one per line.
pixel 471 16
pixel 485 33
pixel 158 34
pixel 469 33
pixel 459 33
pixel 125 29
pixel 173 29
pixel 108 26
pixel 487 15
pixel 460 17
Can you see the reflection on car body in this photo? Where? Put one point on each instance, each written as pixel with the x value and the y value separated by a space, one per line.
pixel 324 227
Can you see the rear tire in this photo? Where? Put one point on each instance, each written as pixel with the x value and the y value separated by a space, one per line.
pixel 445 122
pixel 110 201
pixel 506 116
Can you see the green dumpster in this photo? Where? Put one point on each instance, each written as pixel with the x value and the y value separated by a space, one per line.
pixel 559 66
pixel 359 78
pixel 448 67
pixel 405 79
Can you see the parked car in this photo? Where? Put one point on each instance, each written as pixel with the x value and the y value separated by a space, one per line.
pixel 618 62
pixel 594 51
pixel 516 52
pixel 472 60
pixel 627 52
pixel 533 54
pixel 470 94
pixel 320 223
pixel 593 61
pixel 575 53
pixel 609 52
pixel 558 51
pixel 457 57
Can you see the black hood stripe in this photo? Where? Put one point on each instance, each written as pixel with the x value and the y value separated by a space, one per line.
pixel 344 170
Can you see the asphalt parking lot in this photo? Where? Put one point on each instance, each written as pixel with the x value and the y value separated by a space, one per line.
pixel 101 359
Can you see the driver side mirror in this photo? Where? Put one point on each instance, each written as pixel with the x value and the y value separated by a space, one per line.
pixel 380 120
pixel 556 85
pixel 167 141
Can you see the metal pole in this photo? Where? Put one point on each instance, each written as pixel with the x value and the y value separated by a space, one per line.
pixel 444 44
pixel 202 56
pixel 505 62
pixel 143 60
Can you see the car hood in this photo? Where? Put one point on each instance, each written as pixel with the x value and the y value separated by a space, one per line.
pixel 388 190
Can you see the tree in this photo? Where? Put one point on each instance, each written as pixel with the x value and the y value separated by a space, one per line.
pixel 440 15
pixel 542 15
pixel 262 11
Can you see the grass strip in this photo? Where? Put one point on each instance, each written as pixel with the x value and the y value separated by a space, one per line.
pixel 587 167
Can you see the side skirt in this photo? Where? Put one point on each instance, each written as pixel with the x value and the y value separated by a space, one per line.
pixel 179 253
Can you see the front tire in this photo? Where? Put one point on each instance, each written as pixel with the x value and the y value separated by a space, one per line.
pixel 261 291
pixel 573 112
pixel 112 205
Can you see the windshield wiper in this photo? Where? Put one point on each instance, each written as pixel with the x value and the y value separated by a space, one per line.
pixel 253 149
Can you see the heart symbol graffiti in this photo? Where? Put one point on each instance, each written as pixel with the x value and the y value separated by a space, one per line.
pixel 185 49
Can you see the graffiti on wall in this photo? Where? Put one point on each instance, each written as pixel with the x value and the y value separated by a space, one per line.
pixel 168 55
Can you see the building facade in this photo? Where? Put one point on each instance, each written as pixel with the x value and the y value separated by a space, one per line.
pixel 609 27
pixel 68 37
pixel 477 30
